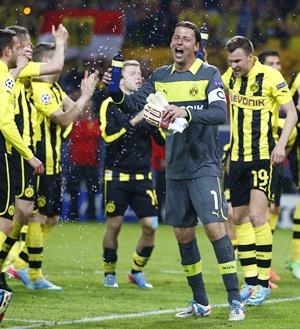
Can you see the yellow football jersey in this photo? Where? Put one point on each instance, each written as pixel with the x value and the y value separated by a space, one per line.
pixel 25 112
pixel 9 134
pixel 254 100
pixel 48 98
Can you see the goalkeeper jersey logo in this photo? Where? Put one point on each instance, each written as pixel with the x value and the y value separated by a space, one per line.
pixel 194 91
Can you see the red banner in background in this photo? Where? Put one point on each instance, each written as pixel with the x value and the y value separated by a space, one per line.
pixel 93 33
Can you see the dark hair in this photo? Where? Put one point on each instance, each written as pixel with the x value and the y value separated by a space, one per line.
pixel 240 42
pixel 6 39
pixel 266 53
pixel 40 49
pixel 191 26
pixel 20 31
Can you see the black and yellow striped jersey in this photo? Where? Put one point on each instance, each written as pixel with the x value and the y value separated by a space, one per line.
pixel 128 148
pixel 48 98
pixel 25 112
pixel 254 103
pixel 295 85
pixel 9 134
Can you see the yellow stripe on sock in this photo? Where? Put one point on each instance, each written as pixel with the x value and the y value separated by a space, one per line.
pixel 19 263
pixel 264 238
pixel 192 269
pixel 228 268
pixel 35 240
pixel 246 237
pixel 138 262
pixel 109 267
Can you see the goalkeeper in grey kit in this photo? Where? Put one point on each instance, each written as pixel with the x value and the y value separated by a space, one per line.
pixel 195 92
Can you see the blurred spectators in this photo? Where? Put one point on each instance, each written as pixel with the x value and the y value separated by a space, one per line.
pixel 261 20
pixel 83 178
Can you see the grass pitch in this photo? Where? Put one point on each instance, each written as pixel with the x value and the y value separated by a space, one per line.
pixel 73 260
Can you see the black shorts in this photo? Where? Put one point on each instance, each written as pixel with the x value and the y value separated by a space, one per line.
pixel 247 176
pixel 188 200
pixel 25 179
pixel 49 195
pixel 278 173
pixel 140 195
pixel 7 194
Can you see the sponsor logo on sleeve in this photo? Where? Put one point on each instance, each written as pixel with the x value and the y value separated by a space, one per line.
pixel 281 85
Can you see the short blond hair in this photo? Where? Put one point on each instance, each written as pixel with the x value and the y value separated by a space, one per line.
pixel 131 62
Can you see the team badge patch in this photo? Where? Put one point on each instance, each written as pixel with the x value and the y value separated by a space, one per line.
pixel 9 83
pixel 254 87
pixel 110 207
pixel 281 85
pixel 41 201
pixel 29 191
pixel 46 98
pixel 194 91
pixel 11 210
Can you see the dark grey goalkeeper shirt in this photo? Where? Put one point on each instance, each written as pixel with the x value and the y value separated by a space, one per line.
pixel 194 152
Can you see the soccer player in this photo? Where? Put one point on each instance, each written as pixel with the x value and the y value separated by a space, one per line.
pixel 54 111
pixel 294 158
pixel 25 116
pixel 272 58
pixel 195 92
pixel 255 90
pixel 9 136
pixel 128 179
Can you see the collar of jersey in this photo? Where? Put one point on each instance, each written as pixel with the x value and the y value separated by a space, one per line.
pixel 255 67
pixel 193 69
pixel 45 82
pixel 3 66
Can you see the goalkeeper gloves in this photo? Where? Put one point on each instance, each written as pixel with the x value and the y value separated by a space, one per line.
pixel 153 112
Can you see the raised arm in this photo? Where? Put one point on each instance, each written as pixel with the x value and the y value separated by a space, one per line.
pixel 56 63
pixel 71 109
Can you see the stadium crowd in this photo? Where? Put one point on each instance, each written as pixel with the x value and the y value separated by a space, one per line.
pixel 259 20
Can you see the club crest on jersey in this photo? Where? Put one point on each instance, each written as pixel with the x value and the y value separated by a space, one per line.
pixel 41 201
pixel 9 83
pixel 194 91
pixel 29 191
pixel 110 207
pixel 46 98
pixel 11 210
pixel 254 87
